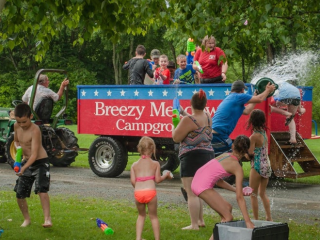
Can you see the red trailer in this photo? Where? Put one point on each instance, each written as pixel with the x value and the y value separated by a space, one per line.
pixel 121 114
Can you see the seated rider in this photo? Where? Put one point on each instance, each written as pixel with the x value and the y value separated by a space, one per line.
pixel 43 91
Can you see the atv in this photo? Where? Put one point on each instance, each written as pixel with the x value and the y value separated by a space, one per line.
pixel 60 143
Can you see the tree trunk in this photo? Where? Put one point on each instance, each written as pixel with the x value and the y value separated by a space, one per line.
pixel 115 63
pixel 270 55
pixel 243 70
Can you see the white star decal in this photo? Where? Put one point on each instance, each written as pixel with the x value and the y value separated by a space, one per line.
pixel 150 93
pixel 136 93
pixel 109 93
pixel 227 92
pixel 165 93
pixel 96 93
pixel 211 92
pixel 83 93
pixel 195 91
pixel 122 92
pixel 180 92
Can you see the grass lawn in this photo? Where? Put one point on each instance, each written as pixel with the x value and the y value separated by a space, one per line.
pixel 74 218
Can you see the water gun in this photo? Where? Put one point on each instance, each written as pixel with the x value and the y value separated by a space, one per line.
pixel 17 164
pixel 175 112
pixel 191 48
pixel 104 227
pixel 199 66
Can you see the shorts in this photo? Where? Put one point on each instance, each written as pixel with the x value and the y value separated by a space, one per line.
pixel 220 145
pixel 38 172
pixel 211 80
pixel 193 160
pixel 144 195
pixel 291 101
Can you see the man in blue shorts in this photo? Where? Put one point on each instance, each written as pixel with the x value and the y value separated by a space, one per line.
pixel 229 112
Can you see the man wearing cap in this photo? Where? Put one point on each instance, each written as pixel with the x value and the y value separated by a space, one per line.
pixel 229 112
pixel 155 54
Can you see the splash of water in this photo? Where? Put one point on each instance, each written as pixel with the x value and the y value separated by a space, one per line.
pixel 293 67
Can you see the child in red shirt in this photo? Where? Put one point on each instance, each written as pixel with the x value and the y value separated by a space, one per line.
pixel 162 73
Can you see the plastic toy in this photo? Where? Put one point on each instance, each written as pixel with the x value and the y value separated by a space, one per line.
pixel 1 231
pixel 175 112
pixel 104 227
pixel 17 164
pixel 191 48
pixel 247 191
pixel 199 66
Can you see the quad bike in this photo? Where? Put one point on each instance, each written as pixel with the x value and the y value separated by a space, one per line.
pixel 60 143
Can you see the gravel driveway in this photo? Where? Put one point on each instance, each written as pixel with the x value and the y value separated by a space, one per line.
pixel 289 201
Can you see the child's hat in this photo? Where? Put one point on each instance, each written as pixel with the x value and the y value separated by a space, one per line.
pixel 155 53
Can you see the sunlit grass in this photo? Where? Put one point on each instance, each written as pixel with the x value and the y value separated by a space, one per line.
pixel 74 218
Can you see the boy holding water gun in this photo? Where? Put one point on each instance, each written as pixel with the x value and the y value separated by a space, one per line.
pixel 35 166
pixel 185 74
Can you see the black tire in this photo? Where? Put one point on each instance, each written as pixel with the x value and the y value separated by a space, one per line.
pixel 3 158
pixel 10 150
pixel 64 159
pixel 168 161
pixel 107 157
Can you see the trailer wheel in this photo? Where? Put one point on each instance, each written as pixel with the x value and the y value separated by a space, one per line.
pixel 168 161
pixel 107 157
pixel 3 158
pixel 70 140
pixel 10 150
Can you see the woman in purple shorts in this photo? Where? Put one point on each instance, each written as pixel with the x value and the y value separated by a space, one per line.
pixel 213 172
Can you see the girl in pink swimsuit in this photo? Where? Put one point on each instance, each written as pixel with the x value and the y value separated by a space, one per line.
pixel 143 175
pixel 260 165
pixel 213 172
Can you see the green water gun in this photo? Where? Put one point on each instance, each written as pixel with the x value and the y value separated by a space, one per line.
pixel 199 66
pixel 190 45
pixel 17 164
pixel 175 112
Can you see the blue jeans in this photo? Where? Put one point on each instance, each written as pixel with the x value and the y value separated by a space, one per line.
pixel 220 145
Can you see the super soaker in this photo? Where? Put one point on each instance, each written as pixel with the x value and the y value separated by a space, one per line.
pixel 175 112
pixel 17 164
pixel 104 227
pixel 191 48
pixel 199 66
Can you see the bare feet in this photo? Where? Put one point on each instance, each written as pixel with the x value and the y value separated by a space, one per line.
pixel 47 224
pixel 302 110
pixel 25 223
pixel 190 228
pixel 201 224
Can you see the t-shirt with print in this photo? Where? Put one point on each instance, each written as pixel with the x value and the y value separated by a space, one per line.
pixel 228 113
pixel 165 72
pixel 186 76
pixel 211 62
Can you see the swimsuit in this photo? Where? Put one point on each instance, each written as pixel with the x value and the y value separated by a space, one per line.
pixel 207 176
pixel 144 195
pixel 261 162
pixel 142 179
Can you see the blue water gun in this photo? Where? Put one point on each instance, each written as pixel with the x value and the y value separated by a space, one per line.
pixel 104 227
pixel 17 164
pixel 191 48
pixel 175 112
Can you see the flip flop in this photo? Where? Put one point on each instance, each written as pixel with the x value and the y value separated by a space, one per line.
pixel 288 120
pixel 184 193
